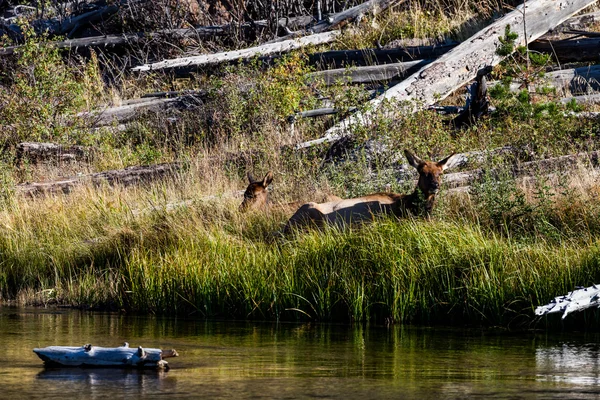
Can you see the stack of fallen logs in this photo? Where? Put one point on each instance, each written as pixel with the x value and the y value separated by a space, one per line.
pixel 423 74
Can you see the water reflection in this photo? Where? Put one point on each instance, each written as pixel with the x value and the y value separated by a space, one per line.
pixel 268 360
pixel 103 379
pixel 574 363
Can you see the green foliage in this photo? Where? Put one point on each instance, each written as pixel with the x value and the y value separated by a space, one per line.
pixel 501 203
pixel 539 59
pixel 573 106
pixel 507 42
pixel 44 93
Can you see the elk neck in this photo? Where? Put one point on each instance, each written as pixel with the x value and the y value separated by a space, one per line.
pixel 415 203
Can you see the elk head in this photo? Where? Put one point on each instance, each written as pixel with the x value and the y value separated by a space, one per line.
pixel 256 194
pixel 430 175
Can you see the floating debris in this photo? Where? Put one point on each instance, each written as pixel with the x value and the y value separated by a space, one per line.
pixel 577 300
pixel 94 356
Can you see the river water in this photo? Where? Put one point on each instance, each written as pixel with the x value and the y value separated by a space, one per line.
pixel 241 360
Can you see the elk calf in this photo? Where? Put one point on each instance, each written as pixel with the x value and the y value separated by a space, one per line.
pixel 256 196
pixel 365 208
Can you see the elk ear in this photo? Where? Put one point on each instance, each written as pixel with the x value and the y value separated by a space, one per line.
pixel 250 177
pixel 412 159
pixel 450 161
pixel 268 179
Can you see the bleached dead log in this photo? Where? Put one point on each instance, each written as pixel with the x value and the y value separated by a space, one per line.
pixel 437 80
pixel 125 177
pixel 130 111
pixel 128 39
pixel 577 300
pixel 366 57
pixel 217 58
pixel 353 13
pixel 570 50
pixel 530 168
pixel 318 112
pixel 199 93
pixel 83 43
pixel 576 80
pixel 38 152
pixel 447 110
pixel 589 99
pixel 370 74
pixel 95 356
pixel 579 22
pixel 337 20
pixel 580 80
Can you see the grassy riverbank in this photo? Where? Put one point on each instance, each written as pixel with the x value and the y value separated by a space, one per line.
pixel 208 260
pixel 489 255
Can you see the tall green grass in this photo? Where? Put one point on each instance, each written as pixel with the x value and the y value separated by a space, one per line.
pixel 210 261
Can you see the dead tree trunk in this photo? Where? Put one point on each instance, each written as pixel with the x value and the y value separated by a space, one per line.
pixel 353 13
pixel 570 50
pixel 364 57
pixel 134 107
pixel 589 99
pixel 42 152
pixel 477 103
pixel 126 177
pixel 126 39
pixel 337 20
pixel 370 74
pixel 217 58
pixel 580 80
pixel 530 168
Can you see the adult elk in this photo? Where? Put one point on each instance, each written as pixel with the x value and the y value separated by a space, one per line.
pixel 256 196
pixel 360 209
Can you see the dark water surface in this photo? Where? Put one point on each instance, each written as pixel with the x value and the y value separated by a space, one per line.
pixel 240 360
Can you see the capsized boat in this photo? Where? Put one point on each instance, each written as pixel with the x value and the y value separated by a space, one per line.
pixel 95 356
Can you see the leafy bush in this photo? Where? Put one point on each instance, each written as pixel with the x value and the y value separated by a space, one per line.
pixel 43 94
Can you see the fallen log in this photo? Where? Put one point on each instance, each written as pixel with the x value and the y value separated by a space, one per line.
pixel 581 80
pixel 95 356
pixel 208 59
pixel 318 112
pixel 530 168
pixel 337 20
pixel 570 50
pixel 437 80
pixel 577 300
pixel 177 93
pixel 68 26
pixel 131 110
pixel 125 177
pixel 40 152
pixel 588 99
pixel 573 23
pixel 128 39
pixel 579 33
pixel 366 57
pixel 370 74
